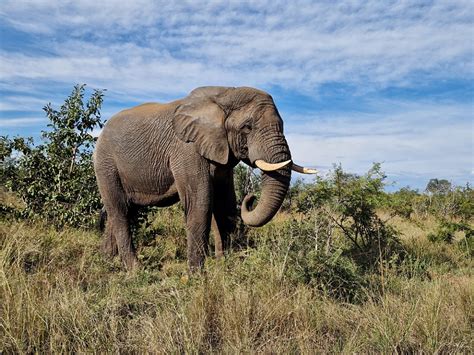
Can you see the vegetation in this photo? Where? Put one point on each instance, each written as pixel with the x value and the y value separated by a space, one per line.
pixel 453 202
pixel 344 267
pixel 55 179
pixel 59 295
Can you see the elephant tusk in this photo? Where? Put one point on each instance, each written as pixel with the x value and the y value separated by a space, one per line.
pixel 303 170
pixel 263 165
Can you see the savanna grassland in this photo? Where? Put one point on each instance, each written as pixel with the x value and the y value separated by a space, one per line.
pixel 344 267
pixel 59 295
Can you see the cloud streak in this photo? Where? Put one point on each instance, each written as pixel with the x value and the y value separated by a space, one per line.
pixel 20 121
pixel 156 51
pixel 153 47
pixel 425 140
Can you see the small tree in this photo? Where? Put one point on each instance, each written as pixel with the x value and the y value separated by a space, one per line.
pixel 403 202
pixel 56 179
pixel 438 186
pixel 348 202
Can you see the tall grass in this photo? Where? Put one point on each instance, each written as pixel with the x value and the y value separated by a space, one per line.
pixel 59 295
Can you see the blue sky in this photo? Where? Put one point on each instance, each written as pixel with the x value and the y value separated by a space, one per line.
pixel 355 82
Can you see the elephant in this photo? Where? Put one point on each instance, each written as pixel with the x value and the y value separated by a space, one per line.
pixel 158 154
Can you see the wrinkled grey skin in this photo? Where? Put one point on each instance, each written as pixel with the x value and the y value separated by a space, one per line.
pixel 158 154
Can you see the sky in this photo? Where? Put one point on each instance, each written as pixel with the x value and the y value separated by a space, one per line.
pixel 355 82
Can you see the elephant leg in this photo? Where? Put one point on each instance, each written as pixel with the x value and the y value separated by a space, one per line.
pixel 109 244
pixel 121 232
pixel 194 189
pixel 224 211
pixel 117 237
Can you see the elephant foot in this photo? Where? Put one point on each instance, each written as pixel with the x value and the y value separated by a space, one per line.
pixel 131 262
pixel 109 247
pixel 195 266
pixel 218 249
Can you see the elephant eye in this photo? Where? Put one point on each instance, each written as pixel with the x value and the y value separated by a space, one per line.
pixel 246 128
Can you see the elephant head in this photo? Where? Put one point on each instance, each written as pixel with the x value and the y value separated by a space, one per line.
pixel 228 125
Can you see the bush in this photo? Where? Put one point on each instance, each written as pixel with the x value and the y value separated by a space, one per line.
pixel 403 202
pixel 297 251
pixel 440 199
pixel 335 241
pixel 56 179
pixel 446 231
pixel 455 202
pixel 350 202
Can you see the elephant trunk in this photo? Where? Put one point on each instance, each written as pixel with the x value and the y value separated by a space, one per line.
pixel 275 185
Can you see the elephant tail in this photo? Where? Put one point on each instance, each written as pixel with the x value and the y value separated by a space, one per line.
pixel 102 219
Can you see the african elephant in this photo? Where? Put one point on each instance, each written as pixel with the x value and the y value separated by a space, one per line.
pixel 157 154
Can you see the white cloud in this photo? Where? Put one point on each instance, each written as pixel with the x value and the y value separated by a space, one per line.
pixel 21 103
pixel 150 47
pixel 20 121
pixel 155 50
pixel 425 139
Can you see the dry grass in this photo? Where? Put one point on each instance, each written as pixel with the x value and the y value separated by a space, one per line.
pixel 58 295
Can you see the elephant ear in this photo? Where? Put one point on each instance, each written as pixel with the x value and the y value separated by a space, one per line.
pixel 201 121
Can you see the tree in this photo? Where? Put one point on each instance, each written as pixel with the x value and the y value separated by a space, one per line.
pixel 56 179
pixel 348 203
pixel 441 187
pixel 403 202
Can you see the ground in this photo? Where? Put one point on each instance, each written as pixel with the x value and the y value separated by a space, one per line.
pixel 60 295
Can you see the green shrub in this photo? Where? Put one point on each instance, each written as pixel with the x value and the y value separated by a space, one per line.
pixel 446 232
pixel 403 202
pixel 440 199
pixel 350 202
pixel 56 179
pixel 300 251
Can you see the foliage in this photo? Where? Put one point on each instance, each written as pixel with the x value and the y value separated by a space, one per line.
pixel 246 181
pixel 307 255
pixel 438 186
pixel 446 232
pixel 350 202
pixel 441 200
pixel 59 296
pixel 6 160
pixel 55 179
pixel 294 191
pixel 455 202
pixel 333 238
pixel 403 202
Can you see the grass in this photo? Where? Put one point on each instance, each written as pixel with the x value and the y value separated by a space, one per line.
pixel 59 295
